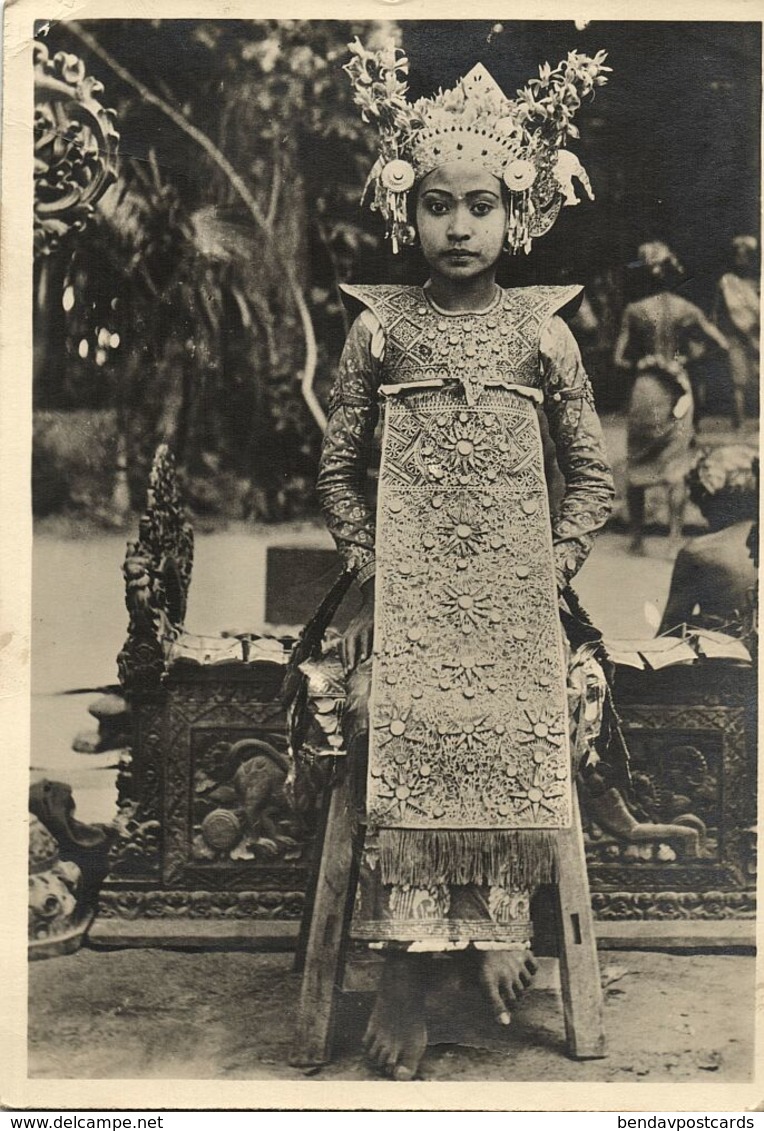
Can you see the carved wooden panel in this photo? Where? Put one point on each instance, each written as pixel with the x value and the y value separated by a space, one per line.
pixel 693 760
pixel 264 903
pixel 228 816
pixel 137 853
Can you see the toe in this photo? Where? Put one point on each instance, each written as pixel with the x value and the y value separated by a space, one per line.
pixel 403 1072
pixel 391 1064
pixel 495 1001
pixel 508 992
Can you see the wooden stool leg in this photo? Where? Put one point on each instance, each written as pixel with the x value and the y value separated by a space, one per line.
pixel 310 892
pixel 579 967
pixel 324 957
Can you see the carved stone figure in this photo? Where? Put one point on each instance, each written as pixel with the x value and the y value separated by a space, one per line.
pixel 157 572
pixel 567 170
pixel 607 808
pixel 243 805
pixel 67 864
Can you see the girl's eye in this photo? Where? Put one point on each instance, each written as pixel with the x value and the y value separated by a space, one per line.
pixel 437 207
pixel 482 208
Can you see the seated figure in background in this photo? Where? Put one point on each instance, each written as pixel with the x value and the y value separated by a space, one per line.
pixel 713 580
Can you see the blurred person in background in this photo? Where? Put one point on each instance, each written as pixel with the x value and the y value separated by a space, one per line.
pixel 736 313
pixel 659 334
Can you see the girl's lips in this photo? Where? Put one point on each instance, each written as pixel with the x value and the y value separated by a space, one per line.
pixel 459 254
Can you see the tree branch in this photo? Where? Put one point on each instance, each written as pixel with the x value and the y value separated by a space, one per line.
pixel 275 189
pixel 241 188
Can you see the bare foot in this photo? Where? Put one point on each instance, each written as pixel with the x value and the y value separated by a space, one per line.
pixel 396 1037
pixel 504 975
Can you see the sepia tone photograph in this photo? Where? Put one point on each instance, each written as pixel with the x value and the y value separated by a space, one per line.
pixel 394 482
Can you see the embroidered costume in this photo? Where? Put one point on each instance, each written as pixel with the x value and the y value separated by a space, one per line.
pixel 469 758
pixel 459 724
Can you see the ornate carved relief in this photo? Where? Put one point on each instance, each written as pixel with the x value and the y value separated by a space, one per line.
pixel 690 763
pixel 75 147
pixel 269 903
pixel 227 813
pixel 157 572
pixel 641 905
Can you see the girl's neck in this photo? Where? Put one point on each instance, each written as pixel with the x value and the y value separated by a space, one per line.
pixel 468 295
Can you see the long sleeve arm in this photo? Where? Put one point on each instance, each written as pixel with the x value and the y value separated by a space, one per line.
pixel 347 449
pixel 581 454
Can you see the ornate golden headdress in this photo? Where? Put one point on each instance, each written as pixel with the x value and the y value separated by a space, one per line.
pixel 521 140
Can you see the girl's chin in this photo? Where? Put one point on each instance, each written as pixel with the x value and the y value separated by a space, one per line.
pixel 466 268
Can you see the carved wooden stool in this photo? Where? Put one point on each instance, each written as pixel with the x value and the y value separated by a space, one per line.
pixel 329 921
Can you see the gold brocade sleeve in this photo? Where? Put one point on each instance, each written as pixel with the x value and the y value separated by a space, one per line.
pixel 347 450
pixel 581 454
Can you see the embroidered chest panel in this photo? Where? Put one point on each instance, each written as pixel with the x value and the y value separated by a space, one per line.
pixel 500 345
pixel 468 713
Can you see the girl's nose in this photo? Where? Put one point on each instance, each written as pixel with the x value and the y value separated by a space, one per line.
pixel 459 227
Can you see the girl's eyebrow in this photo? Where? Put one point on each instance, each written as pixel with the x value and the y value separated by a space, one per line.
pixel 466 195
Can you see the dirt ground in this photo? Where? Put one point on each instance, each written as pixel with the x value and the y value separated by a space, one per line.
pixel 184 1015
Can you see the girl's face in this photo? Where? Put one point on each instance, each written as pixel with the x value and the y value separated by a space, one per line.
pixel 461 220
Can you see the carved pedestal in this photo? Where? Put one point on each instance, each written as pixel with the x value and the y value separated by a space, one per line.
pixel 210 831
pixel 691 737
pixel 208 828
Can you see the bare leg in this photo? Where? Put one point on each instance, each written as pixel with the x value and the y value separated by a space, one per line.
pixel 635 497
pixel 396 1036
pixel 738 413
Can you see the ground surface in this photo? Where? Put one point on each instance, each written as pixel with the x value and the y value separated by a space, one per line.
pixel 164 1014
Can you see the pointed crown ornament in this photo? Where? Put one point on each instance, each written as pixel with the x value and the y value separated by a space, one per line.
pixel 521 141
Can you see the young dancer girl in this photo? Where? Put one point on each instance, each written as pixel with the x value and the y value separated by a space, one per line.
pixel 464 736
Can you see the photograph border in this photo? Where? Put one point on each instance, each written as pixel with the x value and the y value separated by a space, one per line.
pixel 17 1090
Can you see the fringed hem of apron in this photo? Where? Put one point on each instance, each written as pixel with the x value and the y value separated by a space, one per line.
pixel 515 858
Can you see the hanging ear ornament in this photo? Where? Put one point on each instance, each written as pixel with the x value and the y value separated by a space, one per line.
pixel 409 236
pixel 519 174
pixel 398 176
